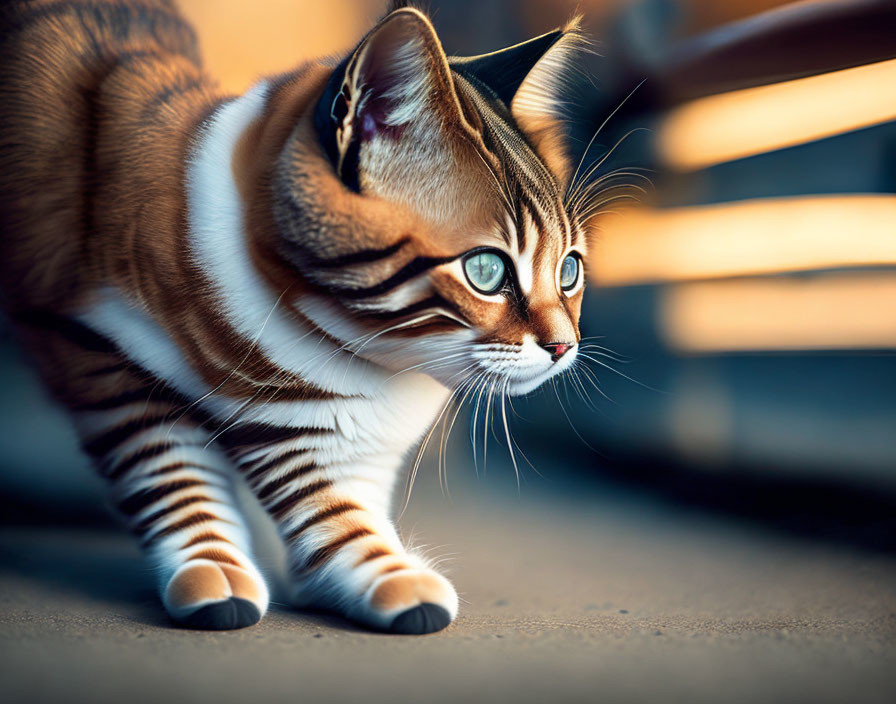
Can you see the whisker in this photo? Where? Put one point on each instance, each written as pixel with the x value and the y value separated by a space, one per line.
pixel 516 468
pixel 569 420
pixel 573 180
pixel 624 376
pixel 252 347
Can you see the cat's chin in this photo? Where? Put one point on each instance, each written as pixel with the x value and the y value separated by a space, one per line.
pixel 521 387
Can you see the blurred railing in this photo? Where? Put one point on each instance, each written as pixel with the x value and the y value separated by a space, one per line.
pixel 760 236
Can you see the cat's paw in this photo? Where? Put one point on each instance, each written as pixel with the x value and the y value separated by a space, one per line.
pixel 409 602
pixel 215 596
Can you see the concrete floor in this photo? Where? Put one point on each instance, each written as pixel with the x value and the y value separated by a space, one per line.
pixel 592 596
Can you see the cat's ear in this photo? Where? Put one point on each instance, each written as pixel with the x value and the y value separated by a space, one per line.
pixel 397 75
pixel 530 79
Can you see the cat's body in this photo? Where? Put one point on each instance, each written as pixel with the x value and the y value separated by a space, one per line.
pixel 275 282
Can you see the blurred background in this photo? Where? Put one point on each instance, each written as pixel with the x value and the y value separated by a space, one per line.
pixel 743 285
pixel 706 512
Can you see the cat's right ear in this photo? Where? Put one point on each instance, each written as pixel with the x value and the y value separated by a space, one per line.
pixel 398 75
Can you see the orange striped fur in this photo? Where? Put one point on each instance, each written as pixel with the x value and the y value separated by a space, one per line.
pixel 291 283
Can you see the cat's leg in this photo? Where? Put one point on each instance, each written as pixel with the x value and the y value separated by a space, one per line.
pixel 345 553
pixel 177 497
pixel 173 489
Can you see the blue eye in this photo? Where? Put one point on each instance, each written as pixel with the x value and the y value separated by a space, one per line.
pixel 569 272
pixel 485 270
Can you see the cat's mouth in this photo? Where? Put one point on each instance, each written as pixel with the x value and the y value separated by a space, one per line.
pixel 519 369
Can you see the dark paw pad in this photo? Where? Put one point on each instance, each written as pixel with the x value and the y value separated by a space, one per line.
pixel 426 618
pixel 223 615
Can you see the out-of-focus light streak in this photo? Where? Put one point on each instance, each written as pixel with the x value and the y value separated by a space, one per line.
pixel 243 41
pixel 742 238
pixel 742 123
pixel 827 312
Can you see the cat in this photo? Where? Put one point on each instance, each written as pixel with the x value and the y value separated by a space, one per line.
pixel 286 285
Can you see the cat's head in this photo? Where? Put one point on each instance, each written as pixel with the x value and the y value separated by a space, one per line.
pixel 433 228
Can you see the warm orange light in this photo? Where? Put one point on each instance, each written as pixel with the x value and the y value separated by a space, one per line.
pixel 748 237
pixel 242 41
pixel 835 311
pixel 742 123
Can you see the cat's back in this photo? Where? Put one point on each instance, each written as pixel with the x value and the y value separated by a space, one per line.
pixel 56 59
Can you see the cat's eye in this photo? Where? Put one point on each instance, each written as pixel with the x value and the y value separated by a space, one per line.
pixel 485 271
pixel 569 272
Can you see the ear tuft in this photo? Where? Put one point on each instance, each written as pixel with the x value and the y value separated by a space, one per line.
pixel 391 75
pixel 531 79
pixel 541 91
pixel 539 105
pixel 398 74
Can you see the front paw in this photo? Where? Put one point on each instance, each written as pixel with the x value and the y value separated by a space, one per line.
pixel 210 595
pixel 408 602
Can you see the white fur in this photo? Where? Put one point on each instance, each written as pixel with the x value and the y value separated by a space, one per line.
pixel 142 339
pixel 525 260
pixel 218 241
pixel 408 68
pixel 539 95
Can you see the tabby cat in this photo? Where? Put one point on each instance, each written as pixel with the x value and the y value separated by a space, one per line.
pixel 291 282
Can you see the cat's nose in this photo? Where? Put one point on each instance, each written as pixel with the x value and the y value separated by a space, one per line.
pixel 556 349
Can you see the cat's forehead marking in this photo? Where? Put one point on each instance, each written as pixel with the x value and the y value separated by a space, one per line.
pixel 538 227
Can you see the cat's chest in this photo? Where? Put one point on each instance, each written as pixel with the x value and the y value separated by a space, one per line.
pixel 390 421
pixel 368 413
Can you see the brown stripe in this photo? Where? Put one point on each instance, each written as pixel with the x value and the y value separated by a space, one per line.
pixel 69 329
pixel 184 523
pixel 153 518
pixel 434 301
pixel 147 453
pixel 318 557
pixel 372 555
pixel 145 497
pixel 108 369
pixel 425 328
pixel 277 484
pixel 137 55
pixel 215 556
pixel 322 515
pixel 264 433
pixel 291 390
pixel 205 538
pixel 173 90
pixel 140 395
pixel 364 256
pixel 414 268
pixel 79 11
pixel 273 462
pixel 280 509
pixel 392 568
pixel 102 444
pixel 177 466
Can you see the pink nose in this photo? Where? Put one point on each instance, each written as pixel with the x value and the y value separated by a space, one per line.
pixel 556 349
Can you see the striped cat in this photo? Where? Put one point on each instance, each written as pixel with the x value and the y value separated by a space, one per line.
pixel 291 282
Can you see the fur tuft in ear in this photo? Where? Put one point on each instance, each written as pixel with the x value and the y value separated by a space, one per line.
pixel 398 74
pixel 504 71
pixel 538 104
pixel 530 78
pixel 541 91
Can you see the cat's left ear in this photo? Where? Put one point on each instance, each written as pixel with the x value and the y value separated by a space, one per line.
pixel 530 79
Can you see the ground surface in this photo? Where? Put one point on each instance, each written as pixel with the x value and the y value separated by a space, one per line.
pixel 568 596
